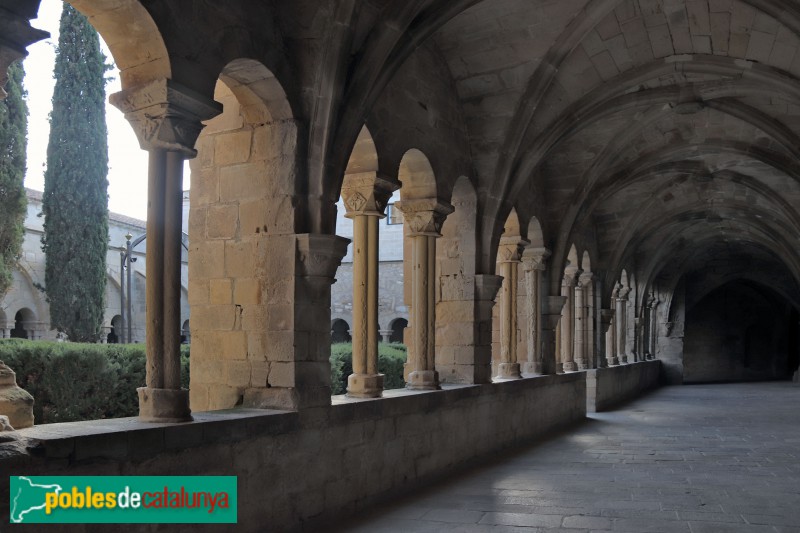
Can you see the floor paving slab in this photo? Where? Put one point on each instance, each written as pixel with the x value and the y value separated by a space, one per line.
pixel 694 459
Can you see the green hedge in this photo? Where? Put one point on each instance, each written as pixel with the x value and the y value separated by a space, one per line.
pixel 391 358
pixel 74 381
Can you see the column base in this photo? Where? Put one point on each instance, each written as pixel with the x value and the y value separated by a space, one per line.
pixel 559 368
pixel 508 371
pixel 164 405
pixel 613 361
pixel 531 368
pixel 623 360
pixel 581 364
pixel 365 385
pixel 570 366
pixel 423 380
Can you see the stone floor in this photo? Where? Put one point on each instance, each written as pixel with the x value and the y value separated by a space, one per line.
pixel 699 458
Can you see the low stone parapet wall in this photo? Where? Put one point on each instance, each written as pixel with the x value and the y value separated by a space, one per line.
pixel 607 387
pixel 300 470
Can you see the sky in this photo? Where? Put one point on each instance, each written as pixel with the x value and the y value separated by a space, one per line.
pixel 127 174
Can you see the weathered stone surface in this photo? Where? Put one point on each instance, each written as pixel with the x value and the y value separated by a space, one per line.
pixel 15 403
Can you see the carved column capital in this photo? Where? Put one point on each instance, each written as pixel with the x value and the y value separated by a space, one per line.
pixel 623 293
pixel 535 258
pixel 16 34
pixel 570 276
pixel 319 255
pixel 367 193
pixel 585 279
pixel 165 115
pixel 424 216
pixel 510 249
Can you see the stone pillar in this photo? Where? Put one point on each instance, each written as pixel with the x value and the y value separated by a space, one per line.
pixel 608 358
pixel 167 120
pixel 621 324
pixel 509 256
pixel 552 308
pixel 386 335
pixel 425 218
pixel 17 34
pixel 365 197
pixel 580 326
pixel 568 320
pixel 653 328
pixel 15 403
pixel 533 260
pixel 590 342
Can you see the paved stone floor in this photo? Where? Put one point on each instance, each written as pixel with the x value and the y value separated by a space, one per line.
pixel 699 458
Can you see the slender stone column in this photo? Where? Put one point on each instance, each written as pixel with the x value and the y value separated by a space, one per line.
pixel 608 357
pixel 552 308
pixel 579 352
pixel 16 34
pixel 568 320
pixel 486 289
pixel 167 120
pixel 509 256
pixel 533 260
pixel 425 218
pixel 365 197
pixel 621 324
pixel 653 325
pixel 590 342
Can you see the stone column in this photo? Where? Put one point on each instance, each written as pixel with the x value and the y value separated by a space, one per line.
pixel 365 197
pixel 653 328
pixel 568 320
pixel 509 255
pixel 581 337
pixel 590 342
pixel 608 358
pixel 167 120
pixel 425 218
pixel 16 34
pixel 533 260
pixel 552 307
pixel 621 324
pixel 385 334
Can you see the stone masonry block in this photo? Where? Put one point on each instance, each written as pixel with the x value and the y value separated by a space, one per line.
pixel 232 147
pixel 222 221
pixel 247 291
pixel 220 291
pixel 237 373
pixel 239 260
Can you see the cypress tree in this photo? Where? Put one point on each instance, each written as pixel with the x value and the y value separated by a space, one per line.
pixel 13 139
pixel 75 203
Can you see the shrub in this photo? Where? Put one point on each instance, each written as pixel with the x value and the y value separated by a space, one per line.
pixel 391 358
pixel 74 381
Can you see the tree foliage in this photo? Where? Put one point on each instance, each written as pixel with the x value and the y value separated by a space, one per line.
pixel 13 139
pixel 75 203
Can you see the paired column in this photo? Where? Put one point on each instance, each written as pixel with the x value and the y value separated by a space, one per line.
pixel 510 253
pixel 568 320
pixel 534 260
pixel 609 358
pixel 552 308
pixel 424 218
pixel 365 197
pixel 621 324
pixel 590 339
pixel 653 328
pixel 167 120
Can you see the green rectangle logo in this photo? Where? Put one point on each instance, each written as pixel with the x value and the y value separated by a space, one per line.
pixel 123 499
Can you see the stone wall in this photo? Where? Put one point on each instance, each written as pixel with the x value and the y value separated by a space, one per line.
pixel 300 470
pixel 607 387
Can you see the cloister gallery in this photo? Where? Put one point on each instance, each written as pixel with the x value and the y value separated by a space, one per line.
pixel 594 192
